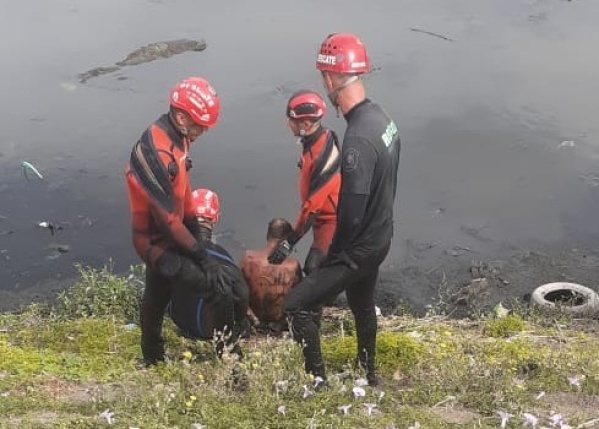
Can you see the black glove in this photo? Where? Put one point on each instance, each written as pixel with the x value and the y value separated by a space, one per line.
pixel 280 253
pixel 216 276
pixel 339 258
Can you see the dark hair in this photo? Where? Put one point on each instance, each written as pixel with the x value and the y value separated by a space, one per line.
pixel 278 229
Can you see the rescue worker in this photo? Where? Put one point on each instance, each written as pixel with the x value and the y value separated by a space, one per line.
pixel 369 163
pixel 319 179
pixel 163 221
pixel 220 317
pixel 268 284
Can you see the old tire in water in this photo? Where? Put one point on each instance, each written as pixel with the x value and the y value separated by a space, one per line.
pixel 569 297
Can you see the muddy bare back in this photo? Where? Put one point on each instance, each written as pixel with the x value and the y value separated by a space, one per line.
pixel 146 54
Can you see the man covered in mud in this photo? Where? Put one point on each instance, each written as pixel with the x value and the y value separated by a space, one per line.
pixel 369 163
pixel 163 220
pixel 220 316
pixel 319 179
pixel 268 283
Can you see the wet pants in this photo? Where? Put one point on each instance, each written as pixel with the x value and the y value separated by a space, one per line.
pixel 303 303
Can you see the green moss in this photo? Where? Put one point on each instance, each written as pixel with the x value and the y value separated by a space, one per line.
pixel 504 326
pixel 394 351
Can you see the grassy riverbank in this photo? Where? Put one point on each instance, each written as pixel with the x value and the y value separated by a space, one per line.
pixel 75 365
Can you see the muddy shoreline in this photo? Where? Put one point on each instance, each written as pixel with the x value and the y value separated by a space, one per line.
pixel 421 287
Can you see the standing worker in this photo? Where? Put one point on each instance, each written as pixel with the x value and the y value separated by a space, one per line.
pixel 369 162
pixel 319 179
pixel 163 221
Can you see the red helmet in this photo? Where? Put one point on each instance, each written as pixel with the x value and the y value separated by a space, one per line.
pixel 306 104
pixel 343 53
pixel 205 204
pixel 196 96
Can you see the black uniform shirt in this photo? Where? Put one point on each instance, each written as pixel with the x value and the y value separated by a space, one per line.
pixel 369 162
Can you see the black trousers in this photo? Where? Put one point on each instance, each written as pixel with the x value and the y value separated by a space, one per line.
pixel 158 293
pixel 303 303
pixel 156 297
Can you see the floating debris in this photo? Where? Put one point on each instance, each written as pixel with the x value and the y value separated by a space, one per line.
pixel 566 143
pixel 27 166
pixel 146 54
pixel 62 248
pixel 51 226
pixel 68 86
pixel 430 33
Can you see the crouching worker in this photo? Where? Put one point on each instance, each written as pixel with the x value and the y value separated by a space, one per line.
pixel 220 317
pixel 269 283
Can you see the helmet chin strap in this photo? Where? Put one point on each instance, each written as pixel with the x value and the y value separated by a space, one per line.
pixel 334 95
pixel 303 133
pixel 183 130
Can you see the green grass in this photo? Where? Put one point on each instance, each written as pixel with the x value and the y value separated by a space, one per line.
pixel 63 366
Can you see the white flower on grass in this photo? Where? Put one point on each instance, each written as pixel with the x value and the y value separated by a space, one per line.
pixel 540 395
pixel 108 415
pixel 556 420
pixel 415 426
pixel 318 381
pixel 381 396
pixel 369 408
pixel 359 392
pixel 281 409
pixel 575 381
pixel 307 392
pixel 281 386
pixel 344 409
pixel 343 389
pixel 361 382
pixel 504 418
pixel 197 426
pixel 530 420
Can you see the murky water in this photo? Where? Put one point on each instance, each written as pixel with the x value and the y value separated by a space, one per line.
pixel 482 118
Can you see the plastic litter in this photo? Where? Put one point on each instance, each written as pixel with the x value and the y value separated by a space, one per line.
pixel 51 226
pixel 130 326
pixel 500 311
pixel 27 166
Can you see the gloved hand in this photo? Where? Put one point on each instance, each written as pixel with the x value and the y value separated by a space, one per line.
pixel 280 253
pixel 216 276
pixel 339 258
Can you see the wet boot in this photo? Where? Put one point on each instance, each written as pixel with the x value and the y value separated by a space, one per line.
pixel 366 332
pixel 305 331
